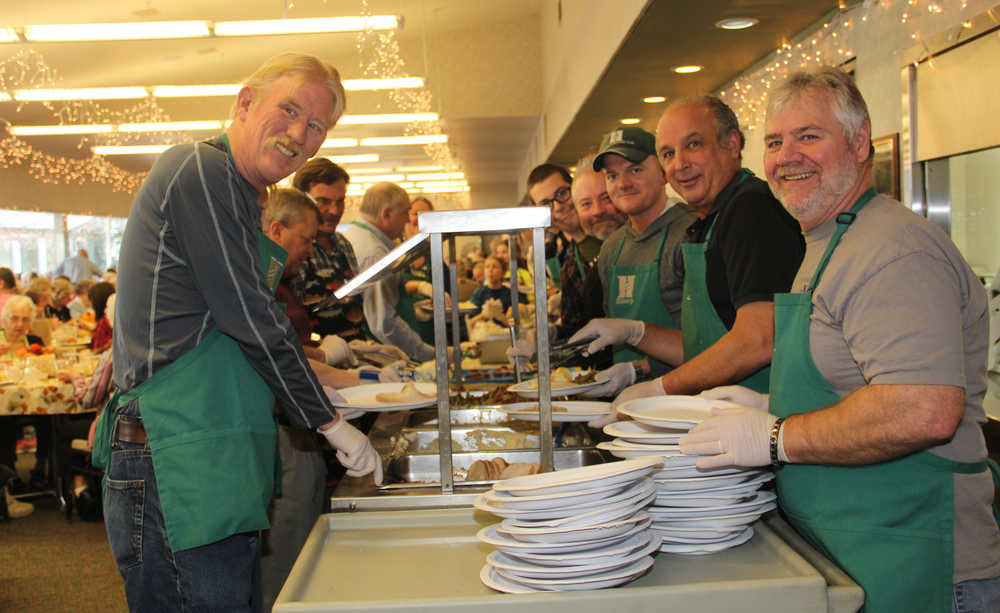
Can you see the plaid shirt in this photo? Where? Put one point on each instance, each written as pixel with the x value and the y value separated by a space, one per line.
pixel 323 274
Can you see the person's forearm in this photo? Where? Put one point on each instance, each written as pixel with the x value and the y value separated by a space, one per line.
pixel 740 352
pixel 663 344
pixel 334 377
pixel 875 423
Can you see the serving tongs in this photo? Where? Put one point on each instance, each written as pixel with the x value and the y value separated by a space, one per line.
pixel 564 352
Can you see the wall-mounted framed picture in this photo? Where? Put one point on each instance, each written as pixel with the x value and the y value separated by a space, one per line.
pixel 886 165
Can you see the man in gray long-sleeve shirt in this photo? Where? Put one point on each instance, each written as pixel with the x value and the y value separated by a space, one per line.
pixel 202 350
pixel 384 213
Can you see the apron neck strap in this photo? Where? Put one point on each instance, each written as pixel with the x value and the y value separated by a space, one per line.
pixel 844 221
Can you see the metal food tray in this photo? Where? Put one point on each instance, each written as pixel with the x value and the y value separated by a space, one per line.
pixel 467 438
pixel 404 561
pixel 460 417
pixel 424 468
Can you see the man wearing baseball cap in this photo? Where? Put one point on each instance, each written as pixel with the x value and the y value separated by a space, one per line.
pixel 639 263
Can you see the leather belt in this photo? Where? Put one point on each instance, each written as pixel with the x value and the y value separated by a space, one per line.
pixel 131 431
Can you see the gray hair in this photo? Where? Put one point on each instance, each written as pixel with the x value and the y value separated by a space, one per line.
pixel 307 68
pixel 287 206
pixel 583 167
pixel 15 302
pixel 849 108
pixel 381 196
pixel 725 119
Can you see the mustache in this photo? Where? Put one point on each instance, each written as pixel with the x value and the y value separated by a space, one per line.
pixel 288 144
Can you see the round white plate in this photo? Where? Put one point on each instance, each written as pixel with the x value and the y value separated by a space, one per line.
pixel 717 522
pixel 594 581
pixel 576 410
pixel 488 575
pixel 695 534
pixel 683 472
pixel 668 536
pixel 629 453
pixel 667 448
pixel 761 499
pixel 679 412
pixel 685 484
pixel 521 568
pixel 714 489
pixel 464 308
pixel 593 517
pixel 703 548
pixel 577 479
pixel 553 501
pixel 640 489
pixel 492 536
pixel 573 534
pixel 638 432
pixel 614 551
pixel 701 500
pixel 529 388
pixel 363 396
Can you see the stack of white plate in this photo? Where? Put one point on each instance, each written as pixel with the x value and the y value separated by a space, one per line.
pixel 577 529
pixel 695 511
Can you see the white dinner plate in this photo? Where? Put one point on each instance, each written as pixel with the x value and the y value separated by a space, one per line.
pixel 490 504
pixel 591 517
pixel 679 412
pixel 363 396
pixel 520 568
pixel 615 550
pixel 573 534
pixel 594 581
pixel 551 501
pixel 575 410
pixel 464 308
pixel 700 500
pixel 684 484
pixel 683 472
pixel 714 489
pixel 638 432
pixel 529 388
pixel 718 522
pixel 491 535
pixel 760 500
pixel 631 452
pixel 581 478
pixel 695 534
pixel 703 548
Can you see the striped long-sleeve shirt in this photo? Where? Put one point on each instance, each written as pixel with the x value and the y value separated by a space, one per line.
pixel 189 265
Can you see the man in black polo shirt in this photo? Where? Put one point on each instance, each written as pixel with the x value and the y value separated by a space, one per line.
pixel 743 248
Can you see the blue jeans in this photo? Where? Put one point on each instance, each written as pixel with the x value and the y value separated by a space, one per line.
pixel 977 596
pixel 221 576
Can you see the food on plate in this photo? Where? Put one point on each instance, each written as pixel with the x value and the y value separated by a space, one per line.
pixel 537 407
pixel 497 395
pixel 498 468
pixel 564 377
pixel 409 393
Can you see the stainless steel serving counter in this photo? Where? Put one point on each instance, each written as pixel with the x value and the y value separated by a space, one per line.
pixel 430 561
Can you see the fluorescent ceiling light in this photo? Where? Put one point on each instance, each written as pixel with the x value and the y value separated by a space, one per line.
pixel 654 99
pixel 193 91
pixel 629 121
pixel 117 31
pixel 442 184
pixel 130 149
pixel 171 126
pixel 737 23
pixel 438 176
pixel 355 85
pixel 444 190
pixel 386 141
pixel 60 129
pixel 357 120
pixel 380 178
pixel 82 93
pixel 419 168
pixel 356 158
pixel 339 143
pixel 305 26
pixel 687 69
pixel 4 97
pixel 369 171
pixel 8 35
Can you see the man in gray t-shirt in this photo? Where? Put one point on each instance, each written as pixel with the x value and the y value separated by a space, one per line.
pixel 874 417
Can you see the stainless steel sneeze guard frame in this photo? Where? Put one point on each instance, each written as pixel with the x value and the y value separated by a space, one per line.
pixel 435 225
pixel 398 561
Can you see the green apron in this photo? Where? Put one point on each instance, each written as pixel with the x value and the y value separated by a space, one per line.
pixel 208 417
pixel 635 294
pixel 406 307
pixel 701 326
pixel 889 525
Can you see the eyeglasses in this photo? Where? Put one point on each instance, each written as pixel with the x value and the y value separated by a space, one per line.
pixel 561 196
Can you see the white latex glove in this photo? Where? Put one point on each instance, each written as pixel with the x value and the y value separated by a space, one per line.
pixel 653 387
pixel 363 347
pixel 524 348
pixel 743 396
pixel 614 380
pixel 732 437
pixel 392 373
pixel 341 403
pixel 354 450
pixel 606 332
pixel 425 288
pixel 337 351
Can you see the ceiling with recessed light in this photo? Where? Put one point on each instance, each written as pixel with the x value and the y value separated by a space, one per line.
pixel 480 61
